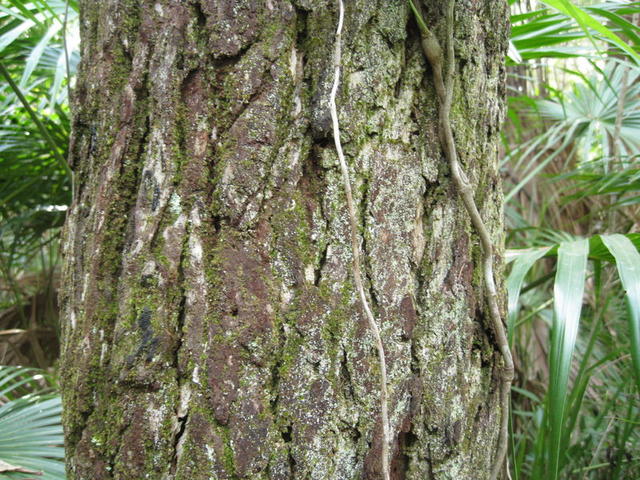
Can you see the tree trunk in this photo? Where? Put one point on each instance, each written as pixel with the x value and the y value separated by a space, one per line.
pixel 211 327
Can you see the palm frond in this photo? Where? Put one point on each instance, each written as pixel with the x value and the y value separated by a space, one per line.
pixel 31 436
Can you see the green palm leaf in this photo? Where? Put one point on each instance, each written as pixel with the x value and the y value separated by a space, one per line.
pixel 557 32
pixel 628 263
pixel 31 435
pixel 523 263
pixel 589 23
pixel 567 293
pixel 563 400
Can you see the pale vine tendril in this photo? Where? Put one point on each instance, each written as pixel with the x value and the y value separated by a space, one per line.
pixel 355 246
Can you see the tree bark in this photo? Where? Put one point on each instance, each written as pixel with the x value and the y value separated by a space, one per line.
pixel 211 328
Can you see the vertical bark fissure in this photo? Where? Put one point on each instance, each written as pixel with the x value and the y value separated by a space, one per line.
pixel 366 253
pixel 181 418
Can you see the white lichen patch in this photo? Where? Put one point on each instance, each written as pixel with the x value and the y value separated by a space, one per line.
pixel 155 417
pixel 174 204
pixel 104 347
pixel 149 268
pixel 85 286
pixel 293 62
pixel 201 137
pixel 309 273
pixel 345 462
pixel 185 397
pixel 210 452
pixel 356 80
pixel 176 228
pixel 137 247
pixel 196 248
pixel 297 106
pixel 418 238
pixel 286 295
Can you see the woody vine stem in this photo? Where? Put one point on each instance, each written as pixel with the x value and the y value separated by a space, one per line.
pixel 444 90
pixel 443 81
pixel 355 245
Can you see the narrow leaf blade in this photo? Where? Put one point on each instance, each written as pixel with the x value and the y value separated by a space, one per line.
pixel 568 292
pixel 628 264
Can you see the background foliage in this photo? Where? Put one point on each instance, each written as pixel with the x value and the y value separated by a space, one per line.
pixel 572 190
pixel 35 179
pixel 35 190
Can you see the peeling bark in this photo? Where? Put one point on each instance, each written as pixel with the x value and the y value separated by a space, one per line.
pixel 211 328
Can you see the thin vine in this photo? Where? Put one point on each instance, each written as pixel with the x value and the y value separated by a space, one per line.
pixel 355 246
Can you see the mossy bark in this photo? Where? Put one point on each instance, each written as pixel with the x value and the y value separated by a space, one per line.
pixel 211 328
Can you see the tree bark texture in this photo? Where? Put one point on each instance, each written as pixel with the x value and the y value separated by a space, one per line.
pixel 211 329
